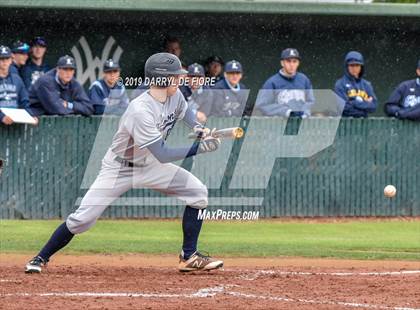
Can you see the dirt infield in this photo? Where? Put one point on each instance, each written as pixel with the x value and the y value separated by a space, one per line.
pixel 152 282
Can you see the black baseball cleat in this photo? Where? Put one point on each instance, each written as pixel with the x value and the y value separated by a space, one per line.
pixel 35 265
pixel 198 261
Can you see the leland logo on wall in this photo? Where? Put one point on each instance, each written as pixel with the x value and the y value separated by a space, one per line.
pixel 93 66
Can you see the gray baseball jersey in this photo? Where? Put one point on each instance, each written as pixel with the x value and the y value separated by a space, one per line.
pixel 144 122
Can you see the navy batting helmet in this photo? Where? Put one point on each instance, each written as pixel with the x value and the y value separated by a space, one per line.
pixel 159 67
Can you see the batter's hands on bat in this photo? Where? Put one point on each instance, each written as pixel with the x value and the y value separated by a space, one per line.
pixel 203 132
pixel 208 144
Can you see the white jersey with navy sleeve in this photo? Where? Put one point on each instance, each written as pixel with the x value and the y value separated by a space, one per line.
pixel 146 121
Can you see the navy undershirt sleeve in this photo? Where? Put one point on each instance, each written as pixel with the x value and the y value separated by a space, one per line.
pixel 165 154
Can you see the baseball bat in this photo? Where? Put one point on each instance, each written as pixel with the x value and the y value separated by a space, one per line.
pixel 229 133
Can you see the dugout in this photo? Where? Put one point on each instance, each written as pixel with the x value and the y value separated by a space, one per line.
pixel 253 32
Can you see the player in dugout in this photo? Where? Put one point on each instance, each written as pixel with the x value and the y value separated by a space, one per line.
pixel 195 92
pixel 13 93
pixel 36 66
pixel 20 54
pixel 357 93
pixel 214 67
pixel 229 95
pixel 107 95
pixel 58 93
pixel 172 45
pixel 288 92
pixel 404 102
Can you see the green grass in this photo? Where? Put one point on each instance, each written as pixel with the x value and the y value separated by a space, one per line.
pixel 351 240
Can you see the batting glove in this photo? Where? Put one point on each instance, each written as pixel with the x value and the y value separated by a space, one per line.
pixel 208 144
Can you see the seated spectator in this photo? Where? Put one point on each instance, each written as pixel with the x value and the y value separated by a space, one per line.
pixel 13 93
pixel 214 67
pixel 288 92
pixel 194 91
pixel 20 53
pixel 58 93
pixel 107 95
pixel 228 96
pixel 35 66
pixel 404 102
pixel 173 45
pixel 356 92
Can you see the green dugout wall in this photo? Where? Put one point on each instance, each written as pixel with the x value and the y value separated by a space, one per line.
pixel 253 32
pixel 45 172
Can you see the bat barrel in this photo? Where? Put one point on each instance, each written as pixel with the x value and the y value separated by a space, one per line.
pixel 234 132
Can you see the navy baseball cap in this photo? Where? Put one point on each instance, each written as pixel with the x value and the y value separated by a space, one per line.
pixel 66 62
pixel 20 47
pixel 40 41
pixel 196 70
pixel 5 52
pixel 111 65
pixel 233 66
pixel 289 53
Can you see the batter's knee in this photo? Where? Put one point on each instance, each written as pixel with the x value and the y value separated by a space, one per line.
pixel 90 209
pixel 200 199
pixel 77 225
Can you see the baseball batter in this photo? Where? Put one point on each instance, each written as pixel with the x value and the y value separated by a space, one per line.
pixel 139 158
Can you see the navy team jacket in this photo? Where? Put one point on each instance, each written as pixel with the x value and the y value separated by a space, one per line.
pixel 46 96
pixel 404 101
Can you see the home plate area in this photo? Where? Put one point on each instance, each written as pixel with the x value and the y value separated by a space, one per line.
pixel 73 285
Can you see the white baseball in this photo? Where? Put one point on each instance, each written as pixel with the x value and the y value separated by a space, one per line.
pixel 390 191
